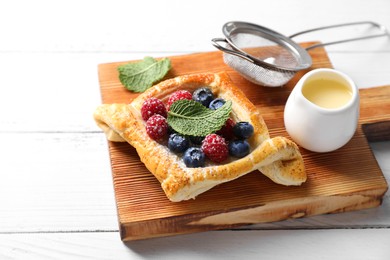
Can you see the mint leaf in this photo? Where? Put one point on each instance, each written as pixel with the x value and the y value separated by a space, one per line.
pixel 140 76
pixel 189 117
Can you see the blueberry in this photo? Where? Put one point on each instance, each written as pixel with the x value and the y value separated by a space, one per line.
pixel 239 148
pixel 194 157
pixel 178 143
pixel 216 103
pixel 243 130
pixel 203 96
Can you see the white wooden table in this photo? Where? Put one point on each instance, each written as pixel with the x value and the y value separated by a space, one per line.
pixel 56 192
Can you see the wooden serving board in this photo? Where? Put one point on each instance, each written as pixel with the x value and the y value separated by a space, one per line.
pixel 343 180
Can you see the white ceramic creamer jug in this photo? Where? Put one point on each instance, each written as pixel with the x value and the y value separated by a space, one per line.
pixel 322 111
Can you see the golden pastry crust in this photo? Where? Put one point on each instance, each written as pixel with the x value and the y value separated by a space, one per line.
pixel 277 158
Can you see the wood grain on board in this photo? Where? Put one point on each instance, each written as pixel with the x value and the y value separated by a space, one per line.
pixel 343 180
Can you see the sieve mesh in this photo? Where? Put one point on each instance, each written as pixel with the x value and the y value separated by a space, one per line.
pixel 264 49
pixel 263 75
pixel 257 74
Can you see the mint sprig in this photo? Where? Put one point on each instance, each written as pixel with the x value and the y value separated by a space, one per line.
pixel 189 117
pixel 139 76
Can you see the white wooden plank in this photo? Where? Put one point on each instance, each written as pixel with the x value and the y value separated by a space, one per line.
pixel 170 25
pixel 283 244
pixel 55 182
pixel 366 69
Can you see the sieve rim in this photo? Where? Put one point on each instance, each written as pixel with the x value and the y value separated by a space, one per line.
pixel 302 56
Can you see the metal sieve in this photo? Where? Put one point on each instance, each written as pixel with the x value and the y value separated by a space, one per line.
pixel 268 58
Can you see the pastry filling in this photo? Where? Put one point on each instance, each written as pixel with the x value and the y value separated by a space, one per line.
pixel 197 126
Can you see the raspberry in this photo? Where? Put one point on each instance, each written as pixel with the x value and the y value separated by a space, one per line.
pixel 156 127
pixel 178 95
pixel 215 148
pixel 153 106
pixel 227 130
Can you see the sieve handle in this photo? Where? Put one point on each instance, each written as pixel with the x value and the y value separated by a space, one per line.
pixel 230 51
pixel 382 28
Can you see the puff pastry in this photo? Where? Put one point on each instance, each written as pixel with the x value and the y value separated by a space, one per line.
pixel 278 158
